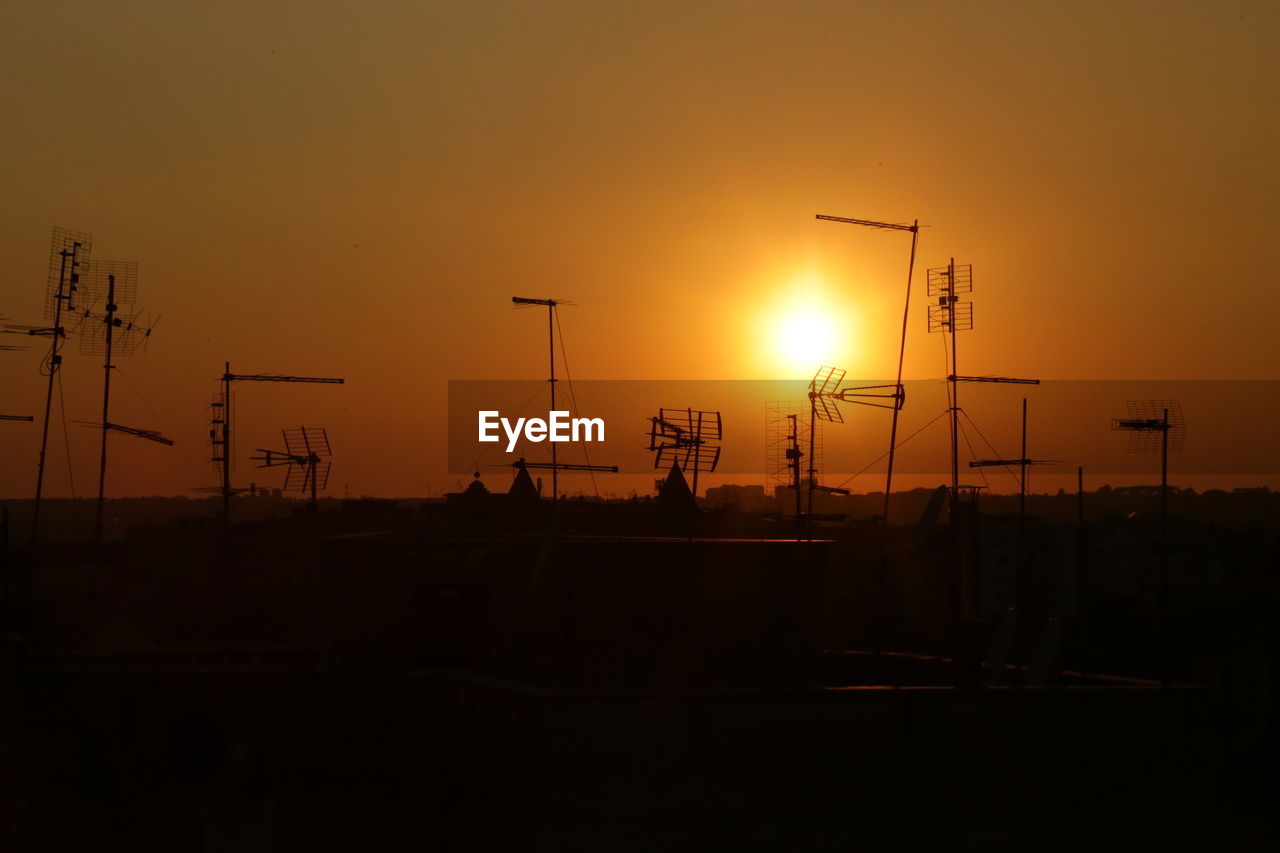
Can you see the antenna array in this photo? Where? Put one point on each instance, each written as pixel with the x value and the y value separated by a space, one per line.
pixel 307 451
pixel 687 438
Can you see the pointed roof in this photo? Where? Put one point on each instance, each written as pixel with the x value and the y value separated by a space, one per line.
pixel 675 493
pixel 522 487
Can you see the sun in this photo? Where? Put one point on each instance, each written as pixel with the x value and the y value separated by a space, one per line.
pixel 806 338
pixel 806 325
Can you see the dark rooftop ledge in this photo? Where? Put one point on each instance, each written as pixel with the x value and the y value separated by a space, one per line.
pixel 818 692
pixel 566 537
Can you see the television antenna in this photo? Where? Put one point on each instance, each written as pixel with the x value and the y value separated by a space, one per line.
pixel 1157 426
pixel 914 230
pixel 69 250
pixel 555 467
pixel 306 452
pixel 825 397
pixel 687 438
pixel 222 422
pixel 563 466
pixel 783 424
pixel 1022 462
pixel 111 333
pixel 949 316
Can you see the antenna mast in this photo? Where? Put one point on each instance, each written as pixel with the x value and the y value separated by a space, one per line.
pixel 111 284
pixel 914 229
pixel 69 250
pixel 948 315
pixel 556 468
pixel 223 444
pixel 1158 425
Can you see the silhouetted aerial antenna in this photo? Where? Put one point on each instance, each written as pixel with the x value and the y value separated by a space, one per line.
pixel 27 418
pixel 825 397
pixel 106 330
pixel 554 467
pixel 949 316
pixel 223 420
pixel 687 438
pixel 1022 462
pixel 914 230
pixel 307 453
pixel 563 466
pixel 1157 425
pixel 69 250
pixel 783 424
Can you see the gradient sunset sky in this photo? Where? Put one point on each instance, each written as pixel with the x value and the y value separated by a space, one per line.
pixel 357 190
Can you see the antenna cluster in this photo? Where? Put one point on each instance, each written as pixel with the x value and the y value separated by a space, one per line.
pixel 948 315
pixel 689 439
pixel 91 292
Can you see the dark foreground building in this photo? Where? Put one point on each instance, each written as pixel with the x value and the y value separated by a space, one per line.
pixel 570 692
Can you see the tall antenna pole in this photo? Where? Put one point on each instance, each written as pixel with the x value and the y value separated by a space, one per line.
pixel 1080 496
pixel 55 362
pixel 1145 418
pixel 551 348
pixel 1023 593
pixel 902 355
pixel 813 454
pixel 955 399
pixel 106 404
pixel 914 228
pixel 1022 468
pixel 226 451
pixel 795 461
pixel 1166 625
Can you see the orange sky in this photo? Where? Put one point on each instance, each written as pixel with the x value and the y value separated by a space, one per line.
pixel 358 189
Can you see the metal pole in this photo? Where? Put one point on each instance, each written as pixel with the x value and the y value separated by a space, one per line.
pixel 106 403
pixel 882 577
pixel 1023 592
pixel 795 463
pixel 697 453
pixel 813 426
pixel 55 362
pixel 1022 464
pixel 1164 548
pixel 1080 496
pixel 902 354
pixel 955 387
pixel 551 339
pixel 226 453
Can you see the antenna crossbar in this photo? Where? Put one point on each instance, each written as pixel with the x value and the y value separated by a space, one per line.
pixel 1008 380
pixel 870 223
pixel 265 377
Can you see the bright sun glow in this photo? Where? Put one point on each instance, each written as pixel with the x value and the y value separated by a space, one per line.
pixel 806 338
pixel 808 326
